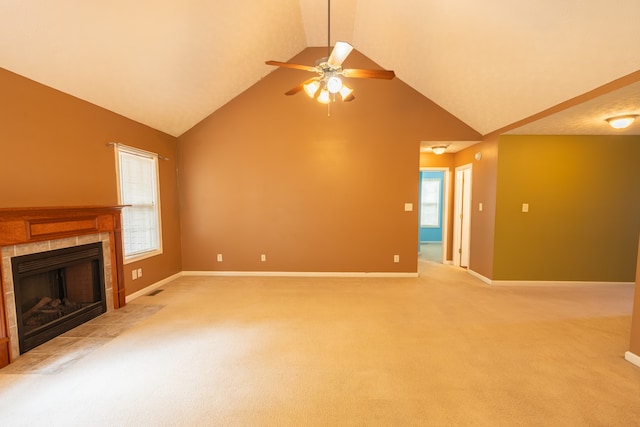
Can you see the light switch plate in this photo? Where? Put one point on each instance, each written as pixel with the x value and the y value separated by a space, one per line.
pixel 408 207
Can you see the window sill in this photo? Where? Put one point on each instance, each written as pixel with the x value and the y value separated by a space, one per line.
pixel 140 257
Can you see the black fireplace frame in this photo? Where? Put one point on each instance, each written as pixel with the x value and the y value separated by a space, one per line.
pixel 42 262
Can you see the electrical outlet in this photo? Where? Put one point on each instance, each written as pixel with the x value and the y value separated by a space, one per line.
pixel 525 207
pixel 396 258
pixel 134 274
pixel 263 257
pixel 219 258
pixel 139 273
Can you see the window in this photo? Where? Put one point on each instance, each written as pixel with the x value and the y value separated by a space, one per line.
pixel 430 203
pixel 138 187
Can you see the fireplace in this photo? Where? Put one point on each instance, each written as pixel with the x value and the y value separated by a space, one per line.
pixel 56 291
pixel 81 272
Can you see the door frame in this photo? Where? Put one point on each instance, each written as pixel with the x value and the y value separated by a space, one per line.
pixel 462 215
pixel 444 208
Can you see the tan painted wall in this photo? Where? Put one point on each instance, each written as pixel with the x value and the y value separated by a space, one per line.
pixel 483 180
pixel 584 208
pixel 270 174
pixel 635 319
pixel 53 153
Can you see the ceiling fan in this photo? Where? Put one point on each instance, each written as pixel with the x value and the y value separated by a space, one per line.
pixel 328 83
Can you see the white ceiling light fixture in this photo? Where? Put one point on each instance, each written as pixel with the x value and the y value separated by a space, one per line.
pixel 621 122
pixel 334 84
pixel 439 149
pixel 324 97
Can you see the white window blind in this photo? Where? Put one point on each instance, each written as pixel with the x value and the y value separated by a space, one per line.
pixel 430 203
pixel 138 175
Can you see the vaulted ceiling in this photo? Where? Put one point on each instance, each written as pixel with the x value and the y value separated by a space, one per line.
pixel 491 63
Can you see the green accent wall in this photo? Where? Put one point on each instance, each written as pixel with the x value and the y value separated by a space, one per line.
pixel 584 208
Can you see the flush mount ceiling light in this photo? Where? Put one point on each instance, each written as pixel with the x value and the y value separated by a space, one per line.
pixel 621 122
pixel 329 81
pixel 439 149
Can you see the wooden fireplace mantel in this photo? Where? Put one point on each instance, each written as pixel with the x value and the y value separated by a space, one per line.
pixel 29 225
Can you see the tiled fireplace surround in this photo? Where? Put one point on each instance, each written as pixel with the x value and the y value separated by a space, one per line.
pixel 9 252
pixel 32 230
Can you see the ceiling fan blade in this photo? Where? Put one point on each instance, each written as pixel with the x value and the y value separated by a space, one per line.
pixel 368 74
pixel 295 66
pixel 339 53
pixel 300 86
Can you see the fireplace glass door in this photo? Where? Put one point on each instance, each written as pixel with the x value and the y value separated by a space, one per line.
pixel 57 291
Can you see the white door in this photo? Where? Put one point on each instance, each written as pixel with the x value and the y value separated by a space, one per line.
pixel 462 217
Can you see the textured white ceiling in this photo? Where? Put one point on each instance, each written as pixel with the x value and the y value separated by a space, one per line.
pixel 170 63
pixel 589 118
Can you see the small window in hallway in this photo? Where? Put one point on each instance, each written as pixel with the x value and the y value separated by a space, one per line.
pixel 430 200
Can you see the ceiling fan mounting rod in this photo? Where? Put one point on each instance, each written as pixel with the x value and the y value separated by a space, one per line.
pixel 328 28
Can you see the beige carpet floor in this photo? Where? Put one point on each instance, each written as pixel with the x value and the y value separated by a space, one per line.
pixel 430 252
pixel 443 349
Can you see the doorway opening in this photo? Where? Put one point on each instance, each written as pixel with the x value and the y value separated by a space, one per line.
pixel 433 214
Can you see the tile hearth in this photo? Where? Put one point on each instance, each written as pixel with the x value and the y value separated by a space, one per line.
pixel 63 351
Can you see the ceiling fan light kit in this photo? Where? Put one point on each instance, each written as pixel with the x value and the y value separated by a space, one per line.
pixel 334 84
pixel 329 82
pixel 324 97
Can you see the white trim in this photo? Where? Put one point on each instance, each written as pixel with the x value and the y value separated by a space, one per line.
pixel 143 255
pixel 633 358
pixel 554 283
pixel 479 276
pixel 153 287
pixel 543 282
pixel 133 151
pixel 163 282
pixel 293 274
pixel 139 151
pixel 459 208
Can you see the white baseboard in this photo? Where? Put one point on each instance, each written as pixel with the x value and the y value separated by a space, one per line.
pixel 163 282
pixel 152 287
pixel 633 358
pixel 479 276
pixel 293 274
pixel 486 280
pixel 543 282
pixel 554 283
